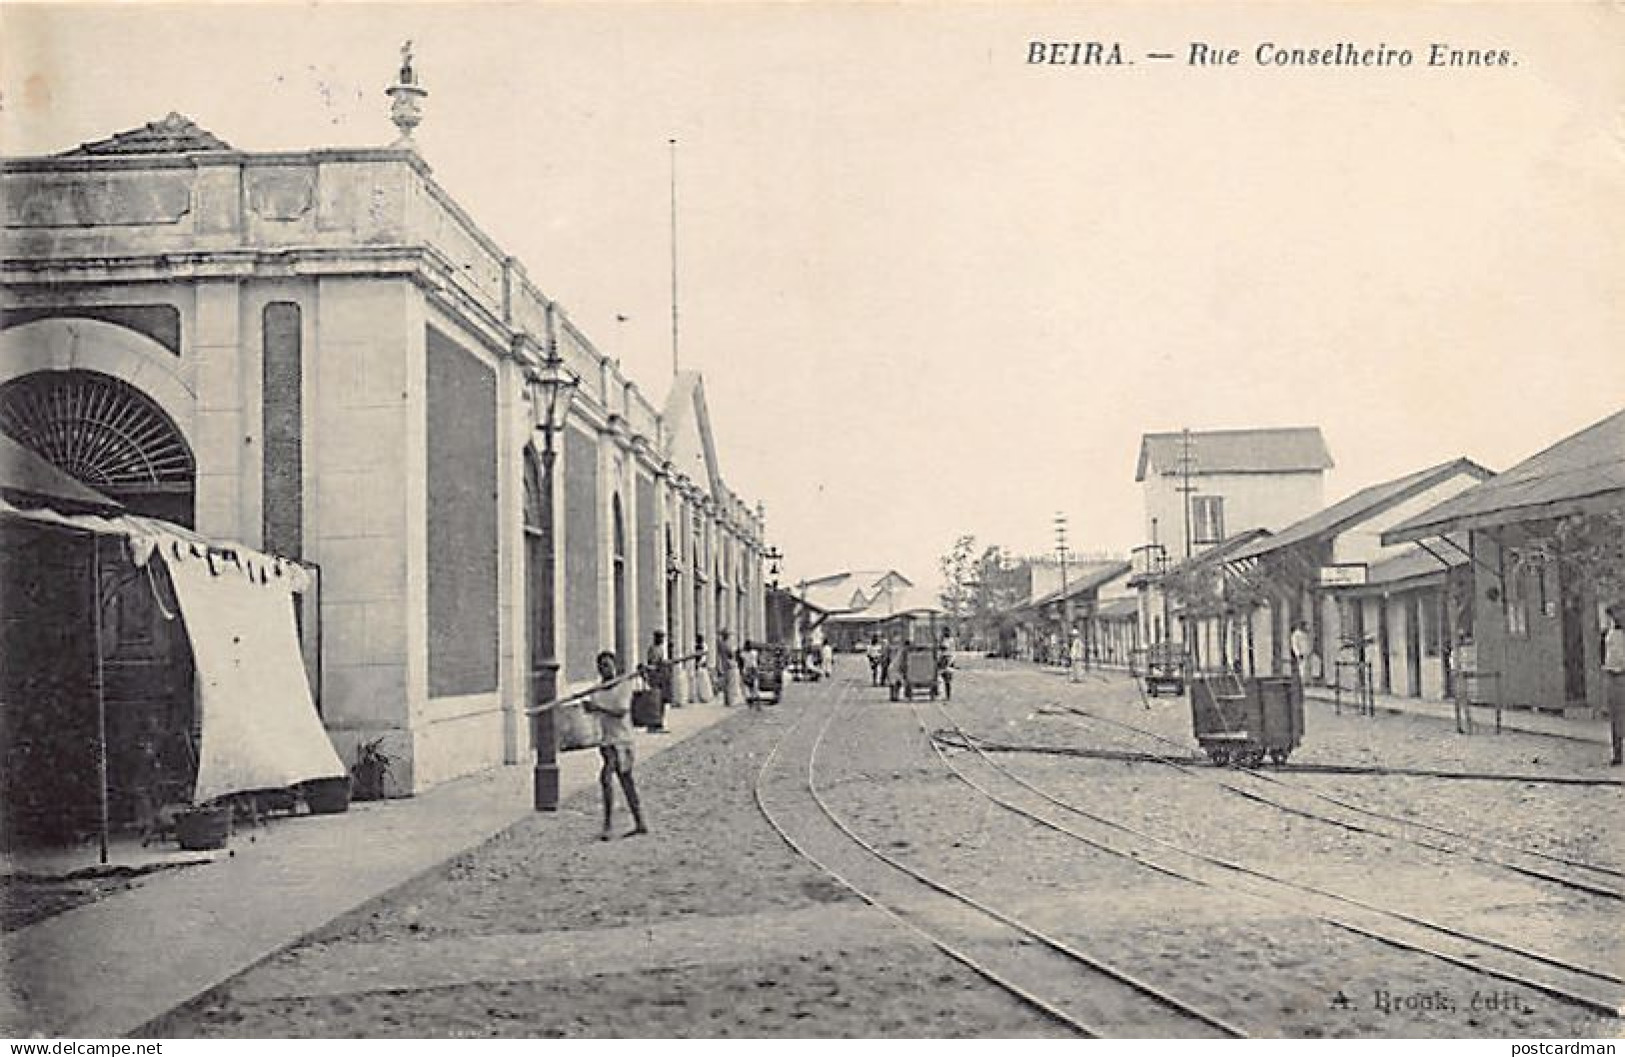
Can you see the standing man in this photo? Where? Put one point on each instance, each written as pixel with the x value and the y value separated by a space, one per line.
pixel 657 673
pixel 1302 645
pixel 945 663
pixel 875 652
pixel 733 686
pixel 826 655
pixel 1613 667
pixel 703 690
pixel 613 707
pixel 1075 656
pixel 750 671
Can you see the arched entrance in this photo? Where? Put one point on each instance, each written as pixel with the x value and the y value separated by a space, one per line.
pixel 106 433
pixel 109 435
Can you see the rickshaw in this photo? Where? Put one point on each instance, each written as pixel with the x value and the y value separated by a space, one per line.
pixel 769 682
pixel 1163 667
pixel 913 668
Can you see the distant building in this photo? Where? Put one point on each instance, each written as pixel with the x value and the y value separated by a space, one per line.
pixel 1201 487
pixel 864 604
pixel 1041 628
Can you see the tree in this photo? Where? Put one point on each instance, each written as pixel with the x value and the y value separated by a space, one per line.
pixel 1582 548
pixel 958 580
pixel 1001 586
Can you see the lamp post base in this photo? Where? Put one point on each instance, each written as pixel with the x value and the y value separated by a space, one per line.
pixel 545 787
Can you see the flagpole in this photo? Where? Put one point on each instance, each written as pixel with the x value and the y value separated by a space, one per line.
pixel 672 145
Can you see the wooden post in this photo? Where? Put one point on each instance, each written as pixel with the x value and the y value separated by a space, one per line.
pixel 101 697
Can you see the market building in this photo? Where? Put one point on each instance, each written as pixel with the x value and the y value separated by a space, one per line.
pixel 320 355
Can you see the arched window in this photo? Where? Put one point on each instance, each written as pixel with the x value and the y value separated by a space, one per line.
pixel 619 601
pixel 106 433
pixel 538 575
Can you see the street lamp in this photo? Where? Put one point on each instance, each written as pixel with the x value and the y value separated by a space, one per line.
pixel 551 387
pixel 774 605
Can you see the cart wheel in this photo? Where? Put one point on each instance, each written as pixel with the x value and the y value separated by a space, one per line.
pixel 1220 756
pixel 1278 756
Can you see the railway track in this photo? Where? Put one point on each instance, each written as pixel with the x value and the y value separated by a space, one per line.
pixel 1592 878
pixel 1076 989
pixel 1597 991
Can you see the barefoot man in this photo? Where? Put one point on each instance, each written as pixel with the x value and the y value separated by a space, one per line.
pixel 613 706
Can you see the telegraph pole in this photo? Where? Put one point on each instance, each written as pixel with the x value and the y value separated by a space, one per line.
pixel 1187 466
pixel 1066 602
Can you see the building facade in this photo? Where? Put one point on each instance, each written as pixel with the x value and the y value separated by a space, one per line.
pixel 1202 488
pixel 1541 549
pixel 319 354
pixel 1359 601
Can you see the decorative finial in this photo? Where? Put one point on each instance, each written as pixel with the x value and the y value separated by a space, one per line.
pixel 406 110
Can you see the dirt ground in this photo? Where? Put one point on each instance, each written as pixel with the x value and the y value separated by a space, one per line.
pixel 712 927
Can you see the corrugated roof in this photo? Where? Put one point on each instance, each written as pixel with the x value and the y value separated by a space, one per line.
pixel 1118 608
pixel 835 592
pixel 1223 551
pixel 1082 578
pixel 1412 563
pixel 1297 449
pixel 899 600
pixel 1359 506
pixel 175 134
pixel 1585 471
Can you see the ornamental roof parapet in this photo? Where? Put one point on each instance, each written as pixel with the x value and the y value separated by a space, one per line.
pixel 170 201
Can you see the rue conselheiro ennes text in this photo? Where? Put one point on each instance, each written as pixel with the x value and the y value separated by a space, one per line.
pixel 1271 55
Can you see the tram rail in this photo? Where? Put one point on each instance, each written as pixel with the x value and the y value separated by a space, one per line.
pixel 1052 976
pixel 1569 982
pixel 1568 872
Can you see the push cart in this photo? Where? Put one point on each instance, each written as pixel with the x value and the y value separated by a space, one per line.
pixel 1241 720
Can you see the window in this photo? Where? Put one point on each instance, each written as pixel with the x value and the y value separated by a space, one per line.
pixel 1517 605
pixel 1430 613
pixel 1207 518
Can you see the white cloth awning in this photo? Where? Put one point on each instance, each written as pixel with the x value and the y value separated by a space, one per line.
pixel 260 728
pixel 259 723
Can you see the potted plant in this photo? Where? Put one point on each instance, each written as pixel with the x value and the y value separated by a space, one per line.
pixel 204 827
pixel 371 767
pixel 327 796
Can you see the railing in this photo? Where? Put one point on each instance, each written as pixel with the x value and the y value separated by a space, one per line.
pixel 1468 684
pixel 1364 696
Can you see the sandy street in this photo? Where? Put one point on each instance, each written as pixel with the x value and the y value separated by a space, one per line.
pixel 713 926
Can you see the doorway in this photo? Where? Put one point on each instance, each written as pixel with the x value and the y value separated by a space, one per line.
pixel 108 435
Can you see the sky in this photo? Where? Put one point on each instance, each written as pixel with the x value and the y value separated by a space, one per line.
pixel 936 289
